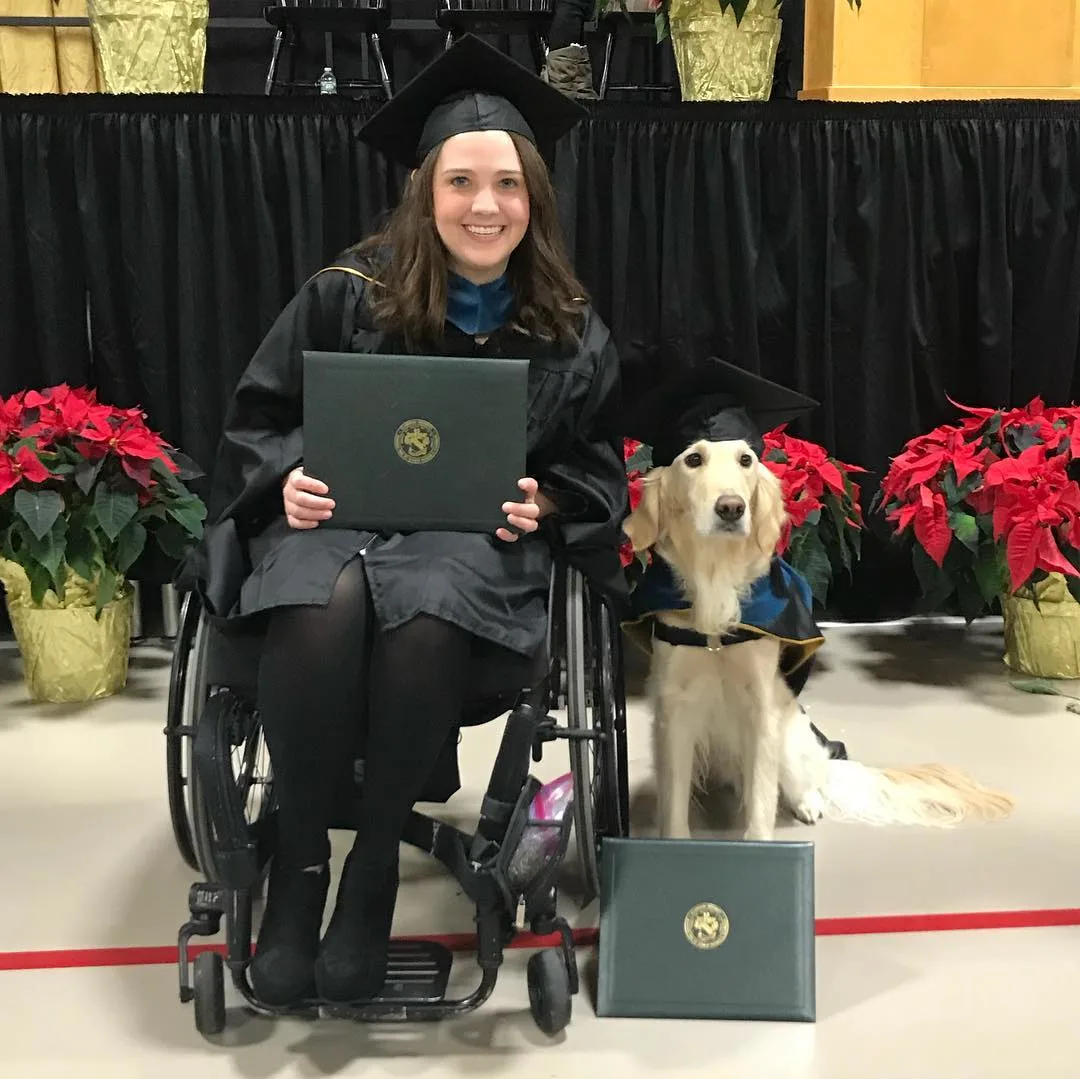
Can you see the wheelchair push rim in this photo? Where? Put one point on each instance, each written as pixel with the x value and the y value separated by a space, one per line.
pixel 596 714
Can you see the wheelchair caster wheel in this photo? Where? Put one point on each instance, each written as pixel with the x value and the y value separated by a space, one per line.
pixel 209 993
pixel 550 1001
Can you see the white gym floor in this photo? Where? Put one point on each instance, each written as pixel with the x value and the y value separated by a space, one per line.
pixel 94 892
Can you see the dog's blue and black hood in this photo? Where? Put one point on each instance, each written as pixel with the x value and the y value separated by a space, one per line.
pixel 779 605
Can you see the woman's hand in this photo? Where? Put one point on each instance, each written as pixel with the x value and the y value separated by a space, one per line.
pixel 525 516
pixel 304 505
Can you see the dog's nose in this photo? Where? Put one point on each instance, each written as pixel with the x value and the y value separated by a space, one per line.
pixel 730 508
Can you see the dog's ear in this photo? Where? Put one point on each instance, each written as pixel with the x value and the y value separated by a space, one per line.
pixel 642 527
pixel 768 513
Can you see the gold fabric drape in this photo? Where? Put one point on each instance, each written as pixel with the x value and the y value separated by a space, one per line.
pixel 151 46
pixel 719 59
pixel 47 60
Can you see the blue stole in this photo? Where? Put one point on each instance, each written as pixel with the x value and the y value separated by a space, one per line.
pixel 478 309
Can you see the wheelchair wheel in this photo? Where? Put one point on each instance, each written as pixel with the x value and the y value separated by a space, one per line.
pixel 209 994
pixel 550 1000
pixel 249 771
pixel 250 758
pixel 595 706
pixel 177 743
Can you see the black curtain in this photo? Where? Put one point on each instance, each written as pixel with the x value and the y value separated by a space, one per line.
pixel 877 257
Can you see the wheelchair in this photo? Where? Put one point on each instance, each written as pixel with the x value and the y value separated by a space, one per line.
pixel 221 801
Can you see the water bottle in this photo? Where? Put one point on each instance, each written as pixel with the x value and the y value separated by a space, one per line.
pixel 541 841
pixel 327 82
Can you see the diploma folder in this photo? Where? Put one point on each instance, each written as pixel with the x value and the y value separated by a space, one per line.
pixel 416 443
pixel 707 929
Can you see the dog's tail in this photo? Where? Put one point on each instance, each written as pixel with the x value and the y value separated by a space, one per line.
pixel 930 794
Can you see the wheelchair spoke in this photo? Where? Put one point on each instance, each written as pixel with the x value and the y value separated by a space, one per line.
pixel 596 720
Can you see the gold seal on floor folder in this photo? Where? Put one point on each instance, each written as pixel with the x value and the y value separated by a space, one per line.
pixel 706 926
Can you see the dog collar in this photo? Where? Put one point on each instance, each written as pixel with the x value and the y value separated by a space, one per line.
pixel 675 635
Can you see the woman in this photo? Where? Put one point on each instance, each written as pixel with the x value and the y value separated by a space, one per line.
pixel 471 263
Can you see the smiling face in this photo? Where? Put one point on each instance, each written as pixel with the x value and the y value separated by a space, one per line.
pixel 481 203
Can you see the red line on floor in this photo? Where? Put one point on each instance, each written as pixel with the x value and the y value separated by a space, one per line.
pixel 945 923
pixel 464 942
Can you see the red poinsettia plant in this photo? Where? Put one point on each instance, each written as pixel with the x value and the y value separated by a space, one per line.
pixel 823 530
pixel 83 485
pixel 823 533
pixel 991 502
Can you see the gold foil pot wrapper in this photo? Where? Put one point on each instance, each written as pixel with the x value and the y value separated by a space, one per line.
pixel 1043 641
pixel 719 59
pixel 151 46
pixel 69 655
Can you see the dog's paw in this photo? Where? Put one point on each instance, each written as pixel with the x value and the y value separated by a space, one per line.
pixel 811 809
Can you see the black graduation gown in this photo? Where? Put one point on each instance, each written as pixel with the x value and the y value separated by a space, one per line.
pixel 250 561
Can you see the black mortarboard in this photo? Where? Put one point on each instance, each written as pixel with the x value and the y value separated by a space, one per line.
pixel 713 400
pixel 470 87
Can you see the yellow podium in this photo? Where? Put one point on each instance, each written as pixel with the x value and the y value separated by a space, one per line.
pixel 904 50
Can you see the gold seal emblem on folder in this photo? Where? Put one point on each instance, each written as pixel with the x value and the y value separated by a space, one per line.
pixel 706 926
pixel 417 442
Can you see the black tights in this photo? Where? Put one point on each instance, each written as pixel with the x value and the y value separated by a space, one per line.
pixel 325 671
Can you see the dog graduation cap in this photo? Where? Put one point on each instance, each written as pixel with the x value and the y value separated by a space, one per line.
pixel 470 87
pixel 713 400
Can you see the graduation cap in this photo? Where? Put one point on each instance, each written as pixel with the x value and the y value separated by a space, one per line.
pixel 716 401
pixel 470 87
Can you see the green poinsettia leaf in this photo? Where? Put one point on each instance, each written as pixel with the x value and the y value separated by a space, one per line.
pixel 989 573
pixel 106 590
pixel 82 552
pixel 49 552
pixel 934 583
pixel 812 560
pixel 949 488
pixel 854 538
pixel 39 509
pixel 129 546
pixel 966 529
pixel 87 472
pixel 172 539
pixel 969 596
pixel 1039 686
pixel 114 510
pixel 40 581
pixel 189 513
pixel 167 478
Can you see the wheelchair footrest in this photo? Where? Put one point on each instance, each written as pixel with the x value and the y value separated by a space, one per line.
pixel 418 972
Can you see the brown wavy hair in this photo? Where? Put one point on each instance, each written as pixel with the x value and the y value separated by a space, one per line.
pixel 412 301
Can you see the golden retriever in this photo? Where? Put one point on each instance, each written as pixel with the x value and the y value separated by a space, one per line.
pixel 725 712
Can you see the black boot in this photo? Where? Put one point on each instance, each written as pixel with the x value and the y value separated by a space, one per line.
pixel 283 969
pixel 353 957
